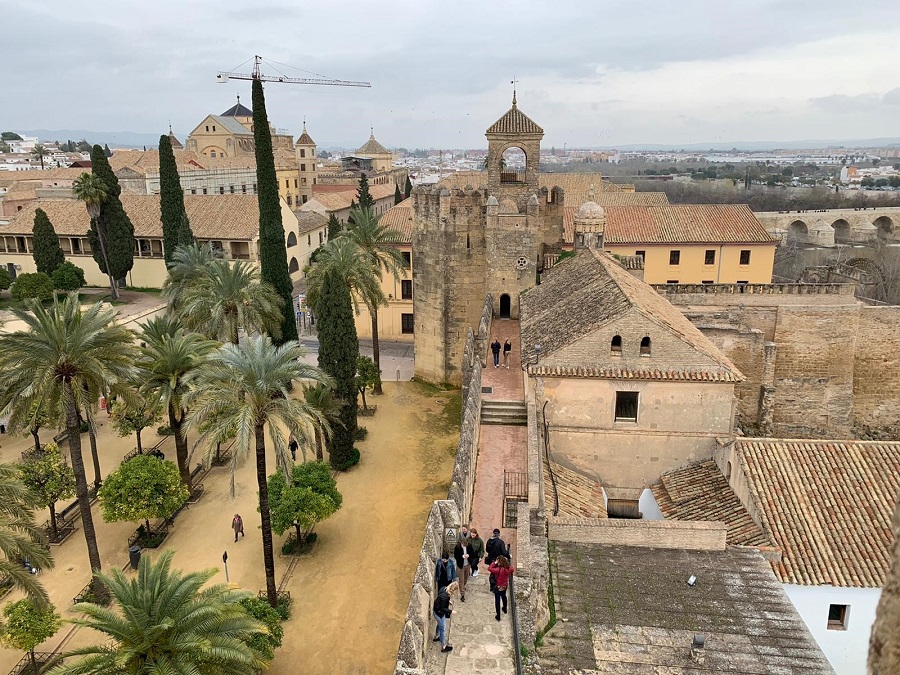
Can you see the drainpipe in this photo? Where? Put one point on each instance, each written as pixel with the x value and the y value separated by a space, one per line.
pixel 719 266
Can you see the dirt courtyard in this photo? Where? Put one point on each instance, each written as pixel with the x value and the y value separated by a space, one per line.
pixel 350 593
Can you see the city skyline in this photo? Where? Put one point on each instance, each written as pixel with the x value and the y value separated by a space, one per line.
pixel 591 76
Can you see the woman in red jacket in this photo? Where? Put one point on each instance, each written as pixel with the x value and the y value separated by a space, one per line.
pixel 502 571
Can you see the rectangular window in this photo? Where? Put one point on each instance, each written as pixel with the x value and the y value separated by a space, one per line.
pixel 231 188
pixel 221 190
pixel 289 201
pixel 406 289
pixel 309 240
pixel 207 127
pixel 407 259
pixel 303 167
pixel 745 257
pixel 710 258
pixel 303 181
pixel 671 281
pixel 626 406
pixel 193 191
pixel 302 152
pixel 204 190
pixel 838 617
pixel 674 257
pixel 642 254
pixel 214 127
pixel 320 238
pixel 743 283
pixel 244 189
pixel 406 323
pixel 295 184
pixel 304 199
pixel 707 282
pixel 254 188
pixel 287 183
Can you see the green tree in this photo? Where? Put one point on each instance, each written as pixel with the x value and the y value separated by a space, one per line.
pixel 343 256
pixel 408 187
pixel 334 227
pixel 310 497
pixel 4 147
pixel 322 398
pixel 398 196
pixel 26 625
pixel 175 224
pixel 247 387
pixel 272 250
pixel 111 234
pixel 30 418
pixel 363 197
pixel 167 622
pixel 47 474
pixel 40 151
pixel 5 279
pixel 93 192
pixel 338 349
pixel 169 363
pixel 142 488
pixel 35 285
pixel 228 296
pixel 189 263
pixel 133 415
pixel 67 277
pixel 62 350
pixel 367 376
pixel 264 643
pixel 46 249
pixel 378 244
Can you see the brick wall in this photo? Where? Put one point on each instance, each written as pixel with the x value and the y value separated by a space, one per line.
pixel 695 535
pixel 876 372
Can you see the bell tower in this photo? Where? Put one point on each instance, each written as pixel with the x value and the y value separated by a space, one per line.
pixel 514 130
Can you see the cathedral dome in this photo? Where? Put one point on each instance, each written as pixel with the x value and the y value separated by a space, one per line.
pixel 590 211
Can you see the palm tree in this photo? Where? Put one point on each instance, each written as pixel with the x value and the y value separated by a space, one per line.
pixel 226 297
pixel 19 538
pixel 40 151
pixel 168 364
pixel 244 387
pixel 64 353
pixel 188 263
pixel 167 622
pixel 378 242
pixel 352 264
pixel 93 192
pixel 322 398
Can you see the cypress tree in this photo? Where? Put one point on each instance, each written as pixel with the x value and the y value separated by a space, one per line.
pixel 352 211
pixel 46 250
pixel 175 224
pixel 398 196
pixel 338 350
pixel 408 187
pixel 118 231
pixel 272 251
pixel 362 194
pixel 334 227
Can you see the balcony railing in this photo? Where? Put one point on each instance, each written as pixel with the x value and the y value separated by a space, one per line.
pixel 512 176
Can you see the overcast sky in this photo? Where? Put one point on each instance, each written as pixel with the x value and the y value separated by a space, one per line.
pixel 591 72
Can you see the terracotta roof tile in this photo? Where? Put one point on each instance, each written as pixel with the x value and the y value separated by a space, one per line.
pixel 373 147
pixel 626 373
pixel 514 121
pixel 579 496
pixel 338 200
pixel 701 492
pixel 307 221
pixel 400 218
pixel 684 224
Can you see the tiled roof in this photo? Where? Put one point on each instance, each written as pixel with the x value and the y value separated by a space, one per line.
pixel 339 200
pixel 581 294
pixel 211 216
pixel 577 187
pixel 629 373
pixel 701 492
pixel 10 177
pixel 579 496
pixel 147 161
pixel 238 110
pixel 373 147
pixel 514 121
pixel 232 125
pixel 684 224
pixel 307 221
pixel 305 138
pixel 827 505
pixel 400 218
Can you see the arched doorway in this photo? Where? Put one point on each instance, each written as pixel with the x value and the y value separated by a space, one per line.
pixel 294 266
pixel 504 306
pixel 798 232
pixel 885 227
pixel 512 165
pixel 841 231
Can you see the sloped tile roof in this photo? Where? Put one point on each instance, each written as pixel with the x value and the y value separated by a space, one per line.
pixel 373 147
pixel 238 110
pixel 307 221
pixel 684 224
pixel 579 496
pixel 514 121
pixel 701 492
pixel 211 216
pixel 827 505
pixel 400 218
pixel 581 294
pixel 232 125
pixel 577 187
pixel 333 200
pixel 629 373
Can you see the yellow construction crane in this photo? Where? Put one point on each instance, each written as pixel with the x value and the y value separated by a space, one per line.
pixel 223 77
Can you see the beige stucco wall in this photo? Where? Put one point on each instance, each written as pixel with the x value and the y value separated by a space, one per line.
pixel 678 422
pixel 692 268
pixel 390 318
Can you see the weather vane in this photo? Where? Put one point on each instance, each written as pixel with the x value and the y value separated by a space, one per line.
pixel 513 83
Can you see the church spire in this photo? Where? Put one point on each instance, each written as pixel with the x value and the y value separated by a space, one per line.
pixel 513 83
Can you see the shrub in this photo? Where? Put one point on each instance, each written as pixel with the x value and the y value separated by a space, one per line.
pixel 291 547
pixel 32 285
pixel 164 430
pixel 67 277
pixel 85 426
pixel 5 279
pixel 352 460
pixel 360 434
pixel 265 643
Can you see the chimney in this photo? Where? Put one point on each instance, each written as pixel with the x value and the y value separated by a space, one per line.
pixel 698 649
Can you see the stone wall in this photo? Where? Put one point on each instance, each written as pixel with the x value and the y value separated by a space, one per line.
pixel 532 578
pixel 696 535
pixel 876 371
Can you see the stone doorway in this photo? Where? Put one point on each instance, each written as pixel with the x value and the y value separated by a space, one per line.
pixel 504 306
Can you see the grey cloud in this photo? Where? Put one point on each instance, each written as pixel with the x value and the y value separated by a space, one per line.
pixel 892 97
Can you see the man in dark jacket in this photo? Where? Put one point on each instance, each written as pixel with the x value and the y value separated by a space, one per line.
pixel 444 571
pixel 443 608
pixel 494 548
pixel 495 350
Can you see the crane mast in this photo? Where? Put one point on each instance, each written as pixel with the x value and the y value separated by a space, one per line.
pixel 224 76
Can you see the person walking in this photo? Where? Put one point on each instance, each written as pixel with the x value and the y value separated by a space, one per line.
pixel 237 524
pixel 477 544
pixel 463 555
pixel 442 609
pixel 495 547
pixel 444 571
pixel 507 348
pixel 292 445
pixel 502 571
pixel 495 350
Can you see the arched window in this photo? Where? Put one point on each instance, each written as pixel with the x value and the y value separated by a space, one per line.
pixel 294 266
pixel 645 346
pixel 615 347
pixel 291 239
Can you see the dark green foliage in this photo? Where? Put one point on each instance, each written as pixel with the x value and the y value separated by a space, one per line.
pixel 352 211
pixel 32 285
pixel 408 188
pixel 334 227
pixel 292 547
pixel 362 194
pixel 310 497
pixel 67 277
pixel 367 376
pixel 176 227
pixel 361 433
pixel 338 349
pixel 164 430
pixel 46 250
pixel 10 136
pixel 272 251
pixel 398 196
pixel 5 279
pixel 113 222
pixel 106 151
pixel 264 643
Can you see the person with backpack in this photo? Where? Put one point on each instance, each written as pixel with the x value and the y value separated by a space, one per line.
pixel 495 547
pixel 442 609
pixel 501 570
pixel 444 571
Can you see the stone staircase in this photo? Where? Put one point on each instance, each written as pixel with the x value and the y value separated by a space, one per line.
pixel 504 412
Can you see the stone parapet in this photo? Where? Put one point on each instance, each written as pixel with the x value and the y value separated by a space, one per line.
pixel 695 535
pixel 754 289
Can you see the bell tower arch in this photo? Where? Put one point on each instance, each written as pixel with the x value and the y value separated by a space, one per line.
pixel 514 130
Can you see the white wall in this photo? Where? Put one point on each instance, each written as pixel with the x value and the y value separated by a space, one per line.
pixel 846 650
pixel 648 507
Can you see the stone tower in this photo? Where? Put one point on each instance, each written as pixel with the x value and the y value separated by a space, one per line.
pixel 469 241
pixel 305 152
pixel 590 224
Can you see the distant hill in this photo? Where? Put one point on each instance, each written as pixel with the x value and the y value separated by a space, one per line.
pixel 115 139
pixel 766 145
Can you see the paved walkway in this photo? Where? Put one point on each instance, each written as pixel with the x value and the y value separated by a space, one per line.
pixel 481 644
